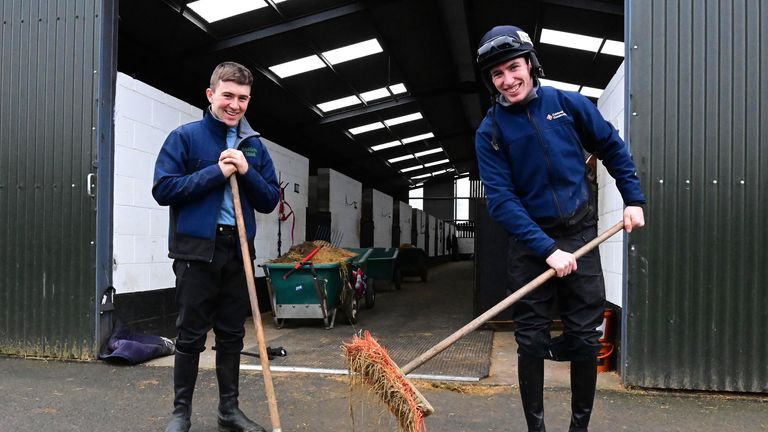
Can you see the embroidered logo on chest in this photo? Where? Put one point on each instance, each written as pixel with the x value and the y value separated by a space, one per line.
pixel 556 115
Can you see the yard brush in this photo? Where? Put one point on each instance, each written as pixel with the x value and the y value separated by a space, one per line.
pixel 370 366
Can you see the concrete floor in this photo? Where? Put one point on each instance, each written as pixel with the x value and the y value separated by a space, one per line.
pixel 62 396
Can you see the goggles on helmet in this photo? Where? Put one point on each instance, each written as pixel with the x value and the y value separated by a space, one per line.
pixel 500 43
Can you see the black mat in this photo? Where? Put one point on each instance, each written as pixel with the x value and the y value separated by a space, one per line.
pixel 407 322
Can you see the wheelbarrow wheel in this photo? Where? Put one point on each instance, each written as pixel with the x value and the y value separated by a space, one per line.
pixel 370 294
pixel 350 305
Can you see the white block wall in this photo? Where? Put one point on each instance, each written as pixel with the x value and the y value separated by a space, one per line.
pixel 143 118
pixel 432 235
pixel 346 195
pixel 420 229
pixel 405 223
pixel 610 204
pixel 382 219
pixel 291 169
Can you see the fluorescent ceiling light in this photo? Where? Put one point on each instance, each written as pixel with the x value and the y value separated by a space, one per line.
pixel 385 145
pixel 351 52
pixel 559 84
pixel 570 40
pixel 417 185
pixel 298 66
pixel 418 138
pixel 401 158
pixel 591 92
pixel 403 119
pixel 375 94
pixel 440 172
pixel 412 168
pixel 215 10
pixel 421 176
pixel 366 128
pixel 338 103
pixel 397 88
pixel 613 47
pixel 430 151
pixel 436 163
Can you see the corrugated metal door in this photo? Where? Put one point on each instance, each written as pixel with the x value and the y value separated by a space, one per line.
pixel 697 301
pixel 48 116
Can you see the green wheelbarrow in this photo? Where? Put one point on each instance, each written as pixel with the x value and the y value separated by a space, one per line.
pixel 314 290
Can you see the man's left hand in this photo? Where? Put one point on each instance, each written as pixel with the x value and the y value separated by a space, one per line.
pixel 633 218
pixel 236 158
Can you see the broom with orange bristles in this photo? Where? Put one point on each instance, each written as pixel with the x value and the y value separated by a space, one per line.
pixel 370 366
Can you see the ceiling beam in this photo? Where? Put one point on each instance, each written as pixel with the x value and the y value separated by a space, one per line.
pixel 287 26
pixel 590 5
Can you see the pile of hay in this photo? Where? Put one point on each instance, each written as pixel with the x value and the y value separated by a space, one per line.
pixel 326 255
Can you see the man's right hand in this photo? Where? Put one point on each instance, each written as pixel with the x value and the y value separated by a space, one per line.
pixel 563 262
pixel 227 169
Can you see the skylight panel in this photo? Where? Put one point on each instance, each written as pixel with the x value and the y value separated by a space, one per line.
pixel 397 88
pixel 215 10
pixel 339 103
pixel 434 173
pixel 591 92
pixel 418 138
pixel 436 163
pixel 421 176
pixel 403 119
pixel 298 66
pixel 375 94
pixel 366 128
pixel 430 151
pixel 385 145
pixel 570 40
pixel 412 168
pixel 354 51
pixel 401 158
pixel 559 84
pixel 613 47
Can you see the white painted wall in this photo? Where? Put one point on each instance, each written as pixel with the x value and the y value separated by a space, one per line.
pixel 405 223
pixel 432 235
pixel 421 228
pixel 382 219
pixel 143 118
pixel 610 204
pixel 346 196
pixel 292 169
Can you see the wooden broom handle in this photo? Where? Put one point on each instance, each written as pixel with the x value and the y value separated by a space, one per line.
pixel 248 266
pixel 507 302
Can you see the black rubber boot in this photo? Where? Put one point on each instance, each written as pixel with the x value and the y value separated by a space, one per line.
pixel 184 378
pixel 583 383
pixel 530 375
pixel 231 419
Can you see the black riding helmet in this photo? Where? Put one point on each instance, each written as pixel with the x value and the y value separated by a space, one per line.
pixel 504 43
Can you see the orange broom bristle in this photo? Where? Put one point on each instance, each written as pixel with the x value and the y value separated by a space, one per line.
pixel 369 364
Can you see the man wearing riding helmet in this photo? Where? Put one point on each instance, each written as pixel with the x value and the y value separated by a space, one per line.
pixel 530 150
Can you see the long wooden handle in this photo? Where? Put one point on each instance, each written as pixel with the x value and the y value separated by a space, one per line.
pixel 248 265
pixel 507 302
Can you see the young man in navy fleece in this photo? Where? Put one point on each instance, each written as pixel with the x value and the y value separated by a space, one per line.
pixel 530 150
pixel 192 177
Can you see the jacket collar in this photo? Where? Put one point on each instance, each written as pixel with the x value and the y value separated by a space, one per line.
pixel 244 129
pixel 501 100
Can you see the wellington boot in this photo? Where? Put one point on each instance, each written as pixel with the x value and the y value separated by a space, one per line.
pixel 184 378
pixel 231 419
pixel 583 383
pixel 530 375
